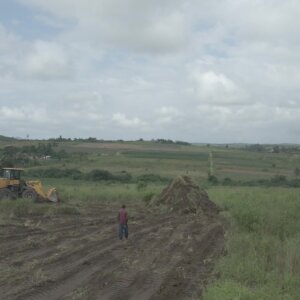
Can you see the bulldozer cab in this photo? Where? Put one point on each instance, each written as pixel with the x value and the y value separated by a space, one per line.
pixel 11 173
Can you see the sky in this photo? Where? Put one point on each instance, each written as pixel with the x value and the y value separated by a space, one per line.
pixel 192 70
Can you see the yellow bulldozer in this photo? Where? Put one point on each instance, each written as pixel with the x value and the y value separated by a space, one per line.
pixel 12 187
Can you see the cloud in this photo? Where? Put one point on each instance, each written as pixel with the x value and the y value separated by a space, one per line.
pixel 47 61
pixel 213 88
pixel 169 114
pixel 11 48
pixel 24 114
pixel 11 114
pixel 7 40
pixel 123 121
pixel 151 26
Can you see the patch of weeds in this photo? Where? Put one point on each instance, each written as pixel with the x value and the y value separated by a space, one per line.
pixel 39 278
pixel 80 294
pixel 141 185
pixel 21 209
pixel 33 243
pixel 65 210
pixel 148 197
pixel 228 290
pixel 7 272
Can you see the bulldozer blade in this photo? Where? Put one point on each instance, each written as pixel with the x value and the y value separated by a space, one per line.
pixel 53 195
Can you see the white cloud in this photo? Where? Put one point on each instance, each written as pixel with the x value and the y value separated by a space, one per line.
pixel 47 61
pixel 141 25
pixel 214 88
pixel 122 120
pixel 169 114
pixel 11 50
pixel 11 114
pixel 24 114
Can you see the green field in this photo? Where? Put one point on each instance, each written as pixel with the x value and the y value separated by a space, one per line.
pixel 263 242
pixel 167 160
pixel 261 208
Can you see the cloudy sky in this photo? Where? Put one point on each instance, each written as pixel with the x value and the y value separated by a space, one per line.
pixel 194 70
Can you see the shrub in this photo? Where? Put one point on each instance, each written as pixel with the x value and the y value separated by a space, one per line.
pixel 124 177
pixel 150 178
pixel 227 181
pixel 97 175
pixel 213 179
pixel 278 179
pixel 141 185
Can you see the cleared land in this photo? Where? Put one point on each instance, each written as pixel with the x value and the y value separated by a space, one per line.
pixel 80 257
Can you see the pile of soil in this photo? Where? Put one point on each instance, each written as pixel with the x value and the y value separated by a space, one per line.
pixel 182 195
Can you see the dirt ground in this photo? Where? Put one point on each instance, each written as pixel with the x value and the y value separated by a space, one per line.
pixel 167 256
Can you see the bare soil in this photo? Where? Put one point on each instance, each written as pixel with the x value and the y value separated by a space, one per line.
pixel 167 256
pixel 183 196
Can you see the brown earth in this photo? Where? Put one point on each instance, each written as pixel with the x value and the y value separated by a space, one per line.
pixel 167 256
pixel 182 195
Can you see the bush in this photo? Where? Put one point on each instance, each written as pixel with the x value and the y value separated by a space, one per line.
pixel 278 179
pixel 227 181
pixel 150 178
pixel 124 177
pixel 55 173
pixel 213 179
pixel 97 175
pixel 141 185
pixel 94 175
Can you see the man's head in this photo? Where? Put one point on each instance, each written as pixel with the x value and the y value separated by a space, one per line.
pixel 123 206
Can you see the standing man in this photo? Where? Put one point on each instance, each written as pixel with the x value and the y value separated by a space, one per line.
pixel 123 219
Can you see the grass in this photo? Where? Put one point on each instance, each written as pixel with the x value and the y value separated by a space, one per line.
pixel 76 195
pixel 83 191
pixel 263 243
pixel 79 294
pixel 23 208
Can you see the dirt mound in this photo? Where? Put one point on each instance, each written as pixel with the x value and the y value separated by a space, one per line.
pixel 184 196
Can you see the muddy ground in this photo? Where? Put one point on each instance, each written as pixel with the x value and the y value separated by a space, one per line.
pixel 167 256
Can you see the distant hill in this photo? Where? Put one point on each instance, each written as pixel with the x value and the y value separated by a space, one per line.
pixel 6 138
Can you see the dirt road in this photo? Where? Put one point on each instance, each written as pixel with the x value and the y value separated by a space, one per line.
pixel 81 257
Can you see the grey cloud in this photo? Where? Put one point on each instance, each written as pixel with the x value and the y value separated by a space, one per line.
pixel 151 26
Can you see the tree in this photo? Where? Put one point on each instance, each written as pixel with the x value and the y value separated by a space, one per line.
pixel 276 149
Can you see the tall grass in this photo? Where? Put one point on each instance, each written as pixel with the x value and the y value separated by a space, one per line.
pixel 85 191
pixel 263 245
pixel 75 197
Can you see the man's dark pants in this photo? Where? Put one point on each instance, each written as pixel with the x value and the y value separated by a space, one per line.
pixel 123 231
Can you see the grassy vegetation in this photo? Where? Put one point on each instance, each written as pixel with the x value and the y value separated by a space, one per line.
pixel 76 196
pixel 263 260
pixel 113 192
